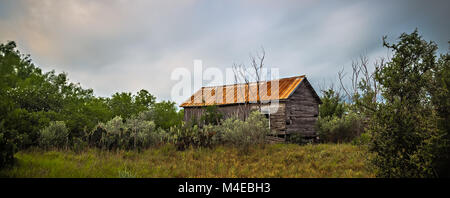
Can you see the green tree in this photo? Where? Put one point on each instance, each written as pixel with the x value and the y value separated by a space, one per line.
pixel 30 99
pixel 440 97
pixel 403 126
pixel 165 115
pixel 126 104
pixel 144 100
pixel 332 104
pixel 121 104
pixel 18 126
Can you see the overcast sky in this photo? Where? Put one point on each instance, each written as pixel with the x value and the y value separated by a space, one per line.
pixel 117 45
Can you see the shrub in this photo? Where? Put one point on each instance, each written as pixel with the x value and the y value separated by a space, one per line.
pixel 135 133
pixel 241 133
pixel 211 116
pixel 165 114
pixel 335 129
pixel 144 133
pixel 332 104
pixel 187 135
pixel 114 131
pixel 55 135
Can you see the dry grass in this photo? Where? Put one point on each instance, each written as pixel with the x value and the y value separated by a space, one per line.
pixel 280 160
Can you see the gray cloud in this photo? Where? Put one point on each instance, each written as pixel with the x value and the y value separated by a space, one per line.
pixel 120 45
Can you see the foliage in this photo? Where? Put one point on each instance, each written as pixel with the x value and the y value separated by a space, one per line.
pixel 134 133
pixel 231 131
pixel 30 99
pixel 54 136
pixel 211 115
pixel 165 115
pixel 186 135
pixel 241 133
pixel 18 126
pixel 126 105
pixel 340 129
pixel 25 126
pixel 83 115
pixel 404 130
pixel 144 133
pixel 440 98
pixel 115 130
pixel 332 104
pixel 337 122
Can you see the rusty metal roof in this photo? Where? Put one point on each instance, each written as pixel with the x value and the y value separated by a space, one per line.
pixel 242 93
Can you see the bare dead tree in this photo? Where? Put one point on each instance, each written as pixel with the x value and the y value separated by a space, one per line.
pixel 257 64
pixel 240 78
pixel 379 65
pixel 362 79
pixel 327 84
pixel 356 70
pixel 244 74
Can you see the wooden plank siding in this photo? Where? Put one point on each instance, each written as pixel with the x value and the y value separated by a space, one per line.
pixel 302 110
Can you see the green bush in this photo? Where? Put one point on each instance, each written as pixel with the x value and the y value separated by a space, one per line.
pixel 187 135
pixel 211 116
pixel 134 133
pixel 165 114
pixel 54 136
pixel 115 135
pixel 241 133
pixel 232 131
pixel 344 129
pixel 144 133
pixel 332 104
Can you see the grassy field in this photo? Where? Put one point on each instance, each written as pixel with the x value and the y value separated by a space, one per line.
pixel 279 160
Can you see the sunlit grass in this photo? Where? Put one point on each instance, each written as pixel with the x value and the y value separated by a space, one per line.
pixel 279 160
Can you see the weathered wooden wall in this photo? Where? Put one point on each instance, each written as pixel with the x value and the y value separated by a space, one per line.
pixel 302 110
pixel 278 119
pixel 240 111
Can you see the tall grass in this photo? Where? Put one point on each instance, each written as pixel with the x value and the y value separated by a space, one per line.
pixel 279 160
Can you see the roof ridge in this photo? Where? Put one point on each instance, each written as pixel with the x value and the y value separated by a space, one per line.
pixel 301 76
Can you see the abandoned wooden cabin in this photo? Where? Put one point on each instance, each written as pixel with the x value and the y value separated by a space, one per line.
pixel 290 104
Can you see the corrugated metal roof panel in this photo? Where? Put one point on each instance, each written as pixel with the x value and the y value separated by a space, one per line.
pixel 240 93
